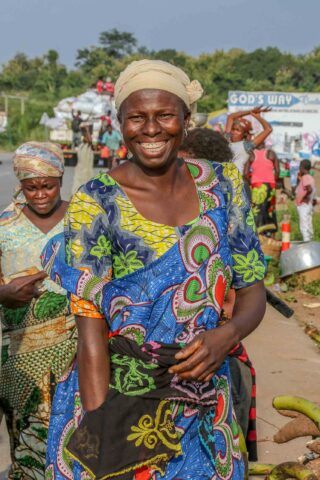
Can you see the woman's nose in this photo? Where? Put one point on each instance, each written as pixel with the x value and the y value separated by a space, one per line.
pixel 40 194
pixel 151 127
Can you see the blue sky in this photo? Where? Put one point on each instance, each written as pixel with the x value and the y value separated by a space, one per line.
pixel 34 26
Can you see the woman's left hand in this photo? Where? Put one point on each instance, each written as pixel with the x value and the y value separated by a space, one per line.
pixel 203 356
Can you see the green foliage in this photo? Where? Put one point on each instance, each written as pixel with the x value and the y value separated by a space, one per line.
pixel 294 222
pixel 117 44
pixel 313 288
pixel 45 81
pixel 92 57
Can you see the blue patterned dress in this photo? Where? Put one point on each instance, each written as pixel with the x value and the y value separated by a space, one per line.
pixel 167 285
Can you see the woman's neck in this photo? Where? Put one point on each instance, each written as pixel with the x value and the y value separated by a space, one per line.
pixel 46 215
pixel 164 178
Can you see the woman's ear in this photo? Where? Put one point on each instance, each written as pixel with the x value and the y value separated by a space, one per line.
pixel 187 117
pixel 119 116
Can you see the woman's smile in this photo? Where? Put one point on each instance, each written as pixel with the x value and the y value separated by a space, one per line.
pixel 153 149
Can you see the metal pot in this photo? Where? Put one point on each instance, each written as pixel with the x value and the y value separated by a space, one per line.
pixel 301 256
pixel 200 119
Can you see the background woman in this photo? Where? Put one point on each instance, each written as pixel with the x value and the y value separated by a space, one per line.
pixel 239 134
pixel 37 332
pixel 152 245
pixel 262 171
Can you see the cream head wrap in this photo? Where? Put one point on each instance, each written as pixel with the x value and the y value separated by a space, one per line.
pixel 156 74
pixel 37 159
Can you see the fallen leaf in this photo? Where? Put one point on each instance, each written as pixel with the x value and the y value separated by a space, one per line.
pixel 312 305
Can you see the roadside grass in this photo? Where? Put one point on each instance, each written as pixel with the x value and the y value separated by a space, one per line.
pixel 313 288
pixel 294 222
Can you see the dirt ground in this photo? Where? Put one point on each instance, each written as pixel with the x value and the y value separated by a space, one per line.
pixel 302 306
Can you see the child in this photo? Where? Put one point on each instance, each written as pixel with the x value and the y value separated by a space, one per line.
pixel 305 196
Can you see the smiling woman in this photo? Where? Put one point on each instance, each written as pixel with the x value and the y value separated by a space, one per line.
pixel 37 331
pixel 150 250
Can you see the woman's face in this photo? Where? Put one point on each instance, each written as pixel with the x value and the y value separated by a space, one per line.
pixel 152 124
pixel 237 132
pixel 42 193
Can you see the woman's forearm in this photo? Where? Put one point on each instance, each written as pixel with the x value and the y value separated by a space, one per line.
pixel 93 362
pixel 267 130
pixel 233 116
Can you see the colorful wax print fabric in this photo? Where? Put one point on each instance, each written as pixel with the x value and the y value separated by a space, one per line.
pixel 264 207
pixel 163 292
pixel 38 345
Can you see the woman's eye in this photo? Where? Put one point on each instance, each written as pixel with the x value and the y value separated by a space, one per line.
pixel 136 118
pixel 166 115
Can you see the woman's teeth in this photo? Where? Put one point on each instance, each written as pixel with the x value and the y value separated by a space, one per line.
pixel 154 146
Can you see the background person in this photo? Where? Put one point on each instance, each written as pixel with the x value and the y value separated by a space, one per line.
pixel 37 329
pixel 112 139
pixel 262 171
pixel 100 85
pixel 105 121
pixel 84 168
pixel 75 127
pixel 294 168
pixel 305 197
pixel 239 133
pixel 109 87
pixel 161 274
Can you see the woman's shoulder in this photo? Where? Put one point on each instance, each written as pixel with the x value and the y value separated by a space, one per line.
pixel 10 214
pixel 204 171
pixel 98 189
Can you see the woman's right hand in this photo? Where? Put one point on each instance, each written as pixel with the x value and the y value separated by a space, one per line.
pixel 21 290
pixel 258 110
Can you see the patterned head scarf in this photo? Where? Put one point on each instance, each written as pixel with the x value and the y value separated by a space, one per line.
pixel 156 74
pixel 32 160
pixel 37 159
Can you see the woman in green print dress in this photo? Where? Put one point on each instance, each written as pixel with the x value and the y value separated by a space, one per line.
pixel 37 330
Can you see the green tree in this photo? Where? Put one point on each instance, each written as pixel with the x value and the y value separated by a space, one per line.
pixel 117 44
pixel 20 73
pixel 89 58
pixel 172 56
pixel 51 75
